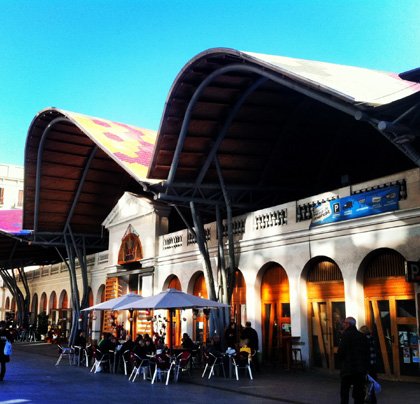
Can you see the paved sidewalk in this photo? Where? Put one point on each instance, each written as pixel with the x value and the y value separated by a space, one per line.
pixel 32 377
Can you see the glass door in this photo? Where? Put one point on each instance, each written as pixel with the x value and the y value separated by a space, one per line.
pixel 277 332
pixel 394 327
pixel 327 319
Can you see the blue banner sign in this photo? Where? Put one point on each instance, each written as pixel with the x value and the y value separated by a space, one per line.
pixel 357 205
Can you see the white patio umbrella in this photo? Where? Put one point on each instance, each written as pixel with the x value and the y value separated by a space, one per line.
pixel 173 299
pixel 115 304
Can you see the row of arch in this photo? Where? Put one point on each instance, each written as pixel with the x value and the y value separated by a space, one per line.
pixel 388 307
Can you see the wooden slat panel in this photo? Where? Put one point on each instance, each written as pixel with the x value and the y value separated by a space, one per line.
pixel 114 287
pixel 389 286
pixel 325 290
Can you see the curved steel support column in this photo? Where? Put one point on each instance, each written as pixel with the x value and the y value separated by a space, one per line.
pixel 232 261
pixel 202 246
pixel 38 168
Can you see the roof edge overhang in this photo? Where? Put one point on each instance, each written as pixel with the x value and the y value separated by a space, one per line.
pixel 89 125
pixel 331 84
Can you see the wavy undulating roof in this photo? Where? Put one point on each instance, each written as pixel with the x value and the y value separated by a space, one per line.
pixel 131 147
pixel 355 84
pixel 279 129
pixel 85 165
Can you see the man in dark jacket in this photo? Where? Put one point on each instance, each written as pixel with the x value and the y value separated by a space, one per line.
pixel 353 353
pixel 4 336
pixel 250 335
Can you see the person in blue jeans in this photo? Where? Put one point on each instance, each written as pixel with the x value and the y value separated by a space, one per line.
pixel 353 354
pixel 4 336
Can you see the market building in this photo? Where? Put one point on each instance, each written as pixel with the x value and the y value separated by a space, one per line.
pixel 293 185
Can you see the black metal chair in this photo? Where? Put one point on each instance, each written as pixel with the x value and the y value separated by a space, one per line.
pixel 183 364
pixel 65 352
pixel 101 361
pixel 213 360
pixel 242 360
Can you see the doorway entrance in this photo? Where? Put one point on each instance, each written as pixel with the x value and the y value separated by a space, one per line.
pixel 175 330
pixel 391 315
pixel 275 308
pixel 238 301
pixel 200 320
pixel 327 311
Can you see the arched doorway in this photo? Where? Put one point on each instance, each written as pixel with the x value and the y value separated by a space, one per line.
pixel 53 311
pixel 327 311
pixel 43 303
pixel 174 283
pixel 64 316
pixel 391 314
pixel 200 320
pixel 275 310
pixel 238 302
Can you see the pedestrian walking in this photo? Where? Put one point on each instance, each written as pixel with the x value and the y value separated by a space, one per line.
pixel 4 337
pixel 353 354
pixel 231 337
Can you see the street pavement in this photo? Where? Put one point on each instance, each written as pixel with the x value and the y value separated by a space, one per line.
pixel 32 377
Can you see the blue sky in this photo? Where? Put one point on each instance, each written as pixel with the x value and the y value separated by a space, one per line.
pixel 117 59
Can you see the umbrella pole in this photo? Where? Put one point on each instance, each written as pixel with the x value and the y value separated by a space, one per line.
pixel 171 330
pixel 131 319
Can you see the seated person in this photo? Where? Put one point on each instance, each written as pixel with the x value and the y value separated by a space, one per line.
pixel 80 340
pixel 162 360
pixel 244 353
pixel 187 342
pixel 160 344
pixel 150 346
pixel 123 350
pixel 128 344
pixel 243 347
pixel 140 349
pixel 213 346
pixel 107 343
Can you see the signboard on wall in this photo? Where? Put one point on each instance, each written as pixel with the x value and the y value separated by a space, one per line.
pixel 412 271
pixel 357 205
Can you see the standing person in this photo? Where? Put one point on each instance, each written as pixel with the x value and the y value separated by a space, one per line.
pixel 4 336
pixel 371 358
pixel 353 353
pixel 231 335
pixel 250 335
